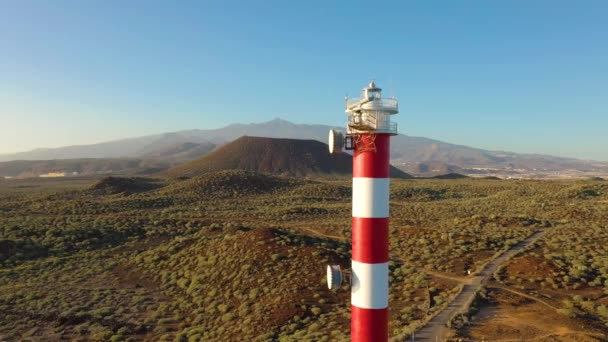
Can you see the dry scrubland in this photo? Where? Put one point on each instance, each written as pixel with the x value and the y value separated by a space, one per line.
pixel 235 255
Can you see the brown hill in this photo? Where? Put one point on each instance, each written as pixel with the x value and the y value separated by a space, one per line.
pixel 289 157
pixel 451 176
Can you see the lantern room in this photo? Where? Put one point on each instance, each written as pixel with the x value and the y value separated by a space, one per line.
pixel 371 113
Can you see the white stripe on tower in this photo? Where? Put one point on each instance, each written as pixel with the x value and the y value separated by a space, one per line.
pixel 370 197
pixel 369 290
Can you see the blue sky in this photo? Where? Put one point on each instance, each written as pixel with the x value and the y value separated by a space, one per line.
pixel 523 76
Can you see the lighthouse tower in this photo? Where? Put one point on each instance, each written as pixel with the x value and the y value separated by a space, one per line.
pixel 368 134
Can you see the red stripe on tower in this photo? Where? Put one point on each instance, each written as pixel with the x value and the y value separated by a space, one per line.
pixel 376 164
pixel 369 324
pixel 370 239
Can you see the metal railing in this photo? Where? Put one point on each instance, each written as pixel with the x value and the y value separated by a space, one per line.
pixel 392 127
pixel 365 122
pixel 385 103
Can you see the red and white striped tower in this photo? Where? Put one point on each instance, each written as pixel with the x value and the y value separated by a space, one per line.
pixel 368 134
pixel 369 282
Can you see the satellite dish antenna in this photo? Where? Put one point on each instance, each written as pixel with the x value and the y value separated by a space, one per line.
pixel 336 141
pixel 334 277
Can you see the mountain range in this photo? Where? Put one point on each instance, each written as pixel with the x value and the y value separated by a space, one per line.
pixel 415 155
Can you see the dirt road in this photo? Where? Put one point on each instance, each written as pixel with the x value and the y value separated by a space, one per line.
pixel 435 329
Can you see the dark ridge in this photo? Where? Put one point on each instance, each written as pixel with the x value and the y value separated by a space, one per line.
pixel 228 183
pixel 451 176
pixel 122 185
pixel 322 190
pixel 492 178
pixel 582 191
pixel 286 157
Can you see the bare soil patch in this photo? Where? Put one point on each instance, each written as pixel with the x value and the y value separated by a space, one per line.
pixel 529 266
pixel 509 317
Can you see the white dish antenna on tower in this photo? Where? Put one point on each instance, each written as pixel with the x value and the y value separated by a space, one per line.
pixel 336 141
pixel 334 277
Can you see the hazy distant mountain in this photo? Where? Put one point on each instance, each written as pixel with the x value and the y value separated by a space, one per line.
pixel 430 168
pixel 289 157
pixel 179 153
pixel 406 151
pixel 124 148
pixel 85 166
pixel 155 161
pixel 157 144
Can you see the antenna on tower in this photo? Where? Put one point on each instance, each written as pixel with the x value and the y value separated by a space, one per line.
pixel 390 88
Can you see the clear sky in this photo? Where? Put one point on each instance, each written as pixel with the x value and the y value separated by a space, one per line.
pixel 522 76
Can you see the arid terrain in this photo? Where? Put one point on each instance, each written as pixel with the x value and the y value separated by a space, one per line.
pixel 237 255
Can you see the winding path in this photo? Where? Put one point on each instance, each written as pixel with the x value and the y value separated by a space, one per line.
pixel 436 329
